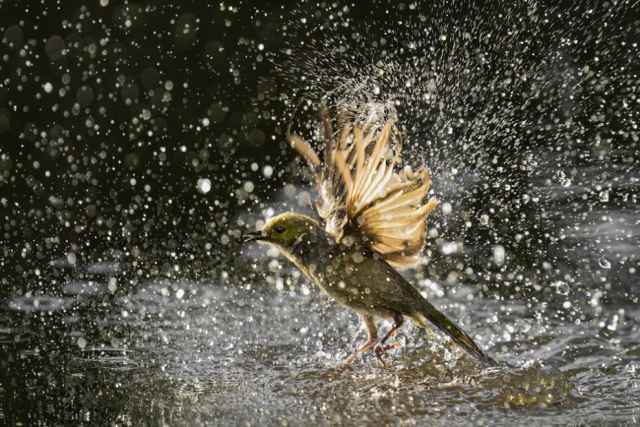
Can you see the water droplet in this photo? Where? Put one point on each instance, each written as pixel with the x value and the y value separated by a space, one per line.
pixel 498 254
pixel 113 285
pixel 357 257
pixel 71 258
pixel 446 208
pixel 203 185
pixel 450 248
pixel 248 187
pixel 562 288
pixel 82 343
pixel 604 196
pixel 604 263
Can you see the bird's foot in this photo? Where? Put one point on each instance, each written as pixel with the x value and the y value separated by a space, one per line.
pixel 350 359
pixel 366 347
pixel 381 349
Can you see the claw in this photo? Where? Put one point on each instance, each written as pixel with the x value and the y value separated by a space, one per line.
pixel 379 352
pixel 382 349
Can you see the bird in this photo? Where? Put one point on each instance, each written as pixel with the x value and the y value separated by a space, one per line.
pixel 371 222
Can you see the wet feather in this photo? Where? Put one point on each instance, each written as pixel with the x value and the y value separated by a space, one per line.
pixel 361 189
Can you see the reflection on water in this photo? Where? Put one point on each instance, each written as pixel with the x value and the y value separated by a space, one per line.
pixel 185 353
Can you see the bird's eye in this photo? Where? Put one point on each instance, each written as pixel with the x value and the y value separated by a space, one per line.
pixel 279 229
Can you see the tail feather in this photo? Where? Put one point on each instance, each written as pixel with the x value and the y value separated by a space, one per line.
pixel 430 313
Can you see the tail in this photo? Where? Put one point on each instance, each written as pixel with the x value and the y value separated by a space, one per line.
pixel 429 312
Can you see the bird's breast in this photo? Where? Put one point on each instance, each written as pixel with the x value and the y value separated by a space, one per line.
pixel 342 277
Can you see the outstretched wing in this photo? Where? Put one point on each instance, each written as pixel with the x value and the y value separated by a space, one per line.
pixel 359 185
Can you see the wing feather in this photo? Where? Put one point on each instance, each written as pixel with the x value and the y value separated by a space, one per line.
pixel 304 149
pixel 360 189
pixel 344 170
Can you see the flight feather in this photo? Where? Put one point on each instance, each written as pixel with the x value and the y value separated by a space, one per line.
pixel 362 186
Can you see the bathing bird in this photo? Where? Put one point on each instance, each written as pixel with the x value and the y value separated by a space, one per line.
pixel 372 221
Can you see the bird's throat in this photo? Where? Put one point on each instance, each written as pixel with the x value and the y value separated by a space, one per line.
pixel 309 253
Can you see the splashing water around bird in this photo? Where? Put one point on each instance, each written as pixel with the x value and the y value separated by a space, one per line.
pixel 374 219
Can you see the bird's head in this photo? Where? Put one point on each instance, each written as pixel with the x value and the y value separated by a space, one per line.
pixel 285 230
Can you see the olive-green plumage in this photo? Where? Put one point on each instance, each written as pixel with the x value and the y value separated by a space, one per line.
pixel 372 220
pixel 357 278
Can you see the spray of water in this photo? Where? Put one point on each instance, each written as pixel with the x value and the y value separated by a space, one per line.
pixel 521 111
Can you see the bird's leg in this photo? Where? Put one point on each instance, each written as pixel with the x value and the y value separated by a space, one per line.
pixel 372 335
pixel 398 320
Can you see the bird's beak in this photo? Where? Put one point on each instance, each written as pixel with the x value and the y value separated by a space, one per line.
pixel 253 236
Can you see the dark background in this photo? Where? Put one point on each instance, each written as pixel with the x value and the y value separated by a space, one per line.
pixel 128 104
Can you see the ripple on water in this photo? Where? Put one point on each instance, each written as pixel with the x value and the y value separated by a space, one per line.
pixel 6 335
pixel 109 357
pixel 104 267
pixel 40 304
pixel 62 264
pixel 82 287
pixel 532 387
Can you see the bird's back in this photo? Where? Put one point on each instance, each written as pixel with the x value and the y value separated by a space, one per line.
pixel 365 282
